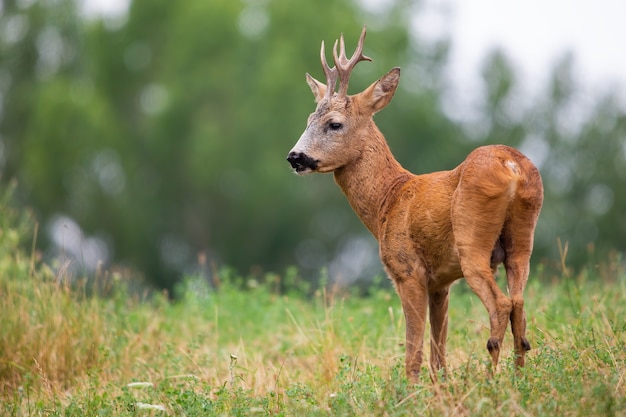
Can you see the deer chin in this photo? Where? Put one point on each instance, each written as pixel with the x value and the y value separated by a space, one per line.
pixel 301 171
pixel 325 169
pixel 318 168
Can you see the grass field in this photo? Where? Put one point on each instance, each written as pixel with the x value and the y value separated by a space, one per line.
pixel 247 349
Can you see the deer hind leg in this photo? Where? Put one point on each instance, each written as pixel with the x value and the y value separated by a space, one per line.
pixel 477 223
pixel 479 276
pixel 517 275
pixel 438 307
pixel 517 264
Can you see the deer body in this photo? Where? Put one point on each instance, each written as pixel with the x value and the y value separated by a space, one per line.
pixel 433 228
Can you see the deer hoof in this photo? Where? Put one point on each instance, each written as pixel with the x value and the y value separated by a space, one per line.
pixel 493 344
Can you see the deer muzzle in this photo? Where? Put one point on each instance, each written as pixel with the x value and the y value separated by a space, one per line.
pixel 301 162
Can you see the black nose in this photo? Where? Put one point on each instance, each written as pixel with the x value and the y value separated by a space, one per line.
pixel 295 159
pixel 301 161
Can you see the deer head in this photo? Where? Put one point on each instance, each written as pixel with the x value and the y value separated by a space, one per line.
pixel 336 131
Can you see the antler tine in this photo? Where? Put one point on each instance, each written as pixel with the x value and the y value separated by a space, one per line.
pixel 330 73
pixel 345 66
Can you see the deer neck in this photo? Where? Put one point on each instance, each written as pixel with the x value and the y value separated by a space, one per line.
pixel 371 181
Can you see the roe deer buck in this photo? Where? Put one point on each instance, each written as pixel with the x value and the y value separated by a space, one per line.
pixel 433 228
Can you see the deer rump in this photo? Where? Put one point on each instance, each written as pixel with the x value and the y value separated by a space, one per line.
pixel 477 206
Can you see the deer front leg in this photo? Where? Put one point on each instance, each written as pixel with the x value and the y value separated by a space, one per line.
pixel 413 296
pixel 438 305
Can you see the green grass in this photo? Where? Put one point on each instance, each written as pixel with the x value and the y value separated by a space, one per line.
pixel 246 349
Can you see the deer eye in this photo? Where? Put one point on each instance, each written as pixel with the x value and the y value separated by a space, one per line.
pixel 335 126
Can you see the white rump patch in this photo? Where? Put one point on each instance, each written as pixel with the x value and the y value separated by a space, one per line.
pixel 512 166
pixel 513 184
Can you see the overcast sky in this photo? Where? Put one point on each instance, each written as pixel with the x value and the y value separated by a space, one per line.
pixel 536 33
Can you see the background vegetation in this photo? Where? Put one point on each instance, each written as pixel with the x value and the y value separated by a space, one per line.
pixel 157 140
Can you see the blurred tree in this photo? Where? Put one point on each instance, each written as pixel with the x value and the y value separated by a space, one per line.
pixel 585 156
pixel 164 134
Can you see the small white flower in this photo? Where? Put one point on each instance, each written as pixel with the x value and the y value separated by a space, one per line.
pixel 140 385
pixel 144 406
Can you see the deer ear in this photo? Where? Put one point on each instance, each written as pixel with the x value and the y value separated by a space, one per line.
pixel 318 88
pixel 379 94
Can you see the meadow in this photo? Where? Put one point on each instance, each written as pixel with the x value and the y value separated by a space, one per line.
pixel 278 346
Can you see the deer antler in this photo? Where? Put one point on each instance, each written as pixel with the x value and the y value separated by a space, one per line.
pixel 331 73
pixel 343 67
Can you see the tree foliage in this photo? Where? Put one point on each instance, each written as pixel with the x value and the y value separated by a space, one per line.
pixel 163 134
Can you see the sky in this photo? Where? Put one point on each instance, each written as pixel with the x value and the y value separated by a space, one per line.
pixel 534 34
pixel 106 8
pixel 538 31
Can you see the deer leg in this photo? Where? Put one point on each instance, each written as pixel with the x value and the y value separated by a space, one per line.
pixel 517 264
pixel 518 316
pixel 438 306
pixel 413 296
pixel 476 238
pixel 498 305
pixel 475 253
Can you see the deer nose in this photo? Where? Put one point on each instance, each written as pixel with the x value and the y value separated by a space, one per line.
pixel 301 161
pixel 295 159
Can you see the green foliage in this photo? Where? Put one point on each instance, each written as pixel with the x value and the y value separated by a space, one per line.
pixel 16 225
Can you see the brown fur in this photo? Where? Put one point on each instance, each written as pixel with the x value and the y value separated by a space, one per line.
pixel 434 228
